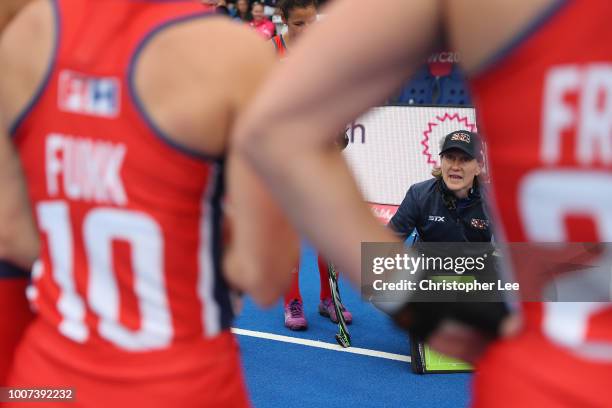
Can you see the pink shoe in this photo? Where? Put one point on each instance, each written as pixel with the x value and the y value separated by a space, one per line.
pixel 326 308
pixel 294 316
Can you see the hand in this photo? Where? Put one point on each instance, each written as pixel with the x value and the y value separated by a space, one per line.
pixel 460 341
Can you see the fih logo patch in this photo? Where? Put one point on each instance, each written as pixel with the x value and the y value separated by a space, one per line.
pixel 89 95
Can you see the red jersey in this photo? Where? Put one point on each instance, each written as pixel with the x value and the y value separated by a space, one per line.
pixel 13 299
pixel 130 221
pixel 551 166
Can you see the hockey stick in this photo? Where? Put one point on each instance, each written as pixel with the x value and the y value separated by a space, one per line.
pixel 343 336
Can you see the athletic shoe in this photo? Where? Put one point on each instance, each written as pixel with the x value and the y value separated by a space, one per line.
pixel 327 309
pixel 294 316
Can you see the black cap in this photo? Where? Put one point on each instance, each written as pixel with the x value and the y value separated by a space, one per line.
pixel 464 140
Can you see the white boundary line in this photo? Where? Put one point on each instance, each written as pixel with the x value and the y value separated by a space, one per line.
pixel 321 344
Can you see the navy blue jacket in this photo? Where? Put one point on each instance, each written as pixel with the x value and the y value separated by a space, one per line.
pixel 439 216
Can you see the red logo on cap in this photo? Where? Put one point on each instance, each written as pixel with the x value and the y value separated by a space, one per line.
pixel 462 137
pixel 438 128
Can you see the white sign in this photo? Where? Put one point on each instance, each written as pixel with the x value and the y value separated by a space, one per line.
pixel 393 147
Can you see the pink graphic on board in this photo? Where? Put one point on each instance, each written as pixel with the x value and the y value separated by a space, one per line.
pixel 383 212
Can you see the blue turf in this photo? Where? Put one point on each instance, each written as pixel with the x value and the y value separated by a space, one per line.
pixel 281 374
pixel 288 375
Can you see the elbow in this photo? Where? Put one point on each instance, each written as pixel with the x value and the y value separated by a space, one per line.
pixel 250 139
pixel 269 279
pixel 261 286
pixel 266 145
pixel 266 297
pixel 263 282
pixel 258 149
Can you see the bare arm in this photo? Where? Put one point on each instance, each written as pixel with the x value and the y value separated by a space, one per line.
pixel 196 101
pixel 263 247
pixel 333 75
pixel 18 236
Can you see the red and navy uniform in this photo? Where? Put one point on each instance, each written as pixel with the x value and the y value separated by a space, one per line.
pixel 13 282
pixel 551 163
pixel 132 307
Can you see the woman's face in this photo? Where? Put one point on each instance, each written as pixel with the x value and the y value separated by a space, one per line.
pixel 300 19
pixel 459 171
pixel 258 12
pixel 242 6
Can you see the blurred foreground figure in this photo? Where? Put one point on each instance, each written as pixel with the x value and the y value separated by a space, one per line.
pixel 18 241
pixel 544 98
pixel 120 112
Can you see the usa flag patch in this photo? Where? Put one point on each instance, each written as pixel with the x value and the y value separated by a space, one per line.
pixel 479 224
pixel 89 95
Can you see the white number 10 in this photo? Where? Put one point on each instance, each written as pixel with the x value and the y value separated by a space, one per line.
pixel 102 226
